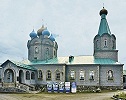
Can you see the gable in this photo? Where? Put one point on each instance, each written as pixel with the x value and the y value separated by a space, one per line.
pixel 18 64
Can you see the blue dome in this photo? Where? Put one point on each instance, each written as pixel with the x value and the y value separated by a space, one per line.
pixel 52 38
pixel 33 34
pixel 46 32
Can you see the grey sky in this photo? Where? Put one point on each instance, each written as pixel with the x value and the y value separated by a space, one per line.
pixel 75 21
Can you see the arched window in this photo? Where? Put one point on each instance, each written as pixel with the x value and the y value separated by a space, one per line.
pixel 33 75
pixel 27 75
pixel 57 75
pixel 105 43
pixel 81 75
pixel 97 44
pixel 47 53
pixel 40 76
pixel 8 74
pixel 36 50
pixel 72 75
pixel 113 44
pixel 91 74
pixel 54 53
pixel 110 75
pixel 48 75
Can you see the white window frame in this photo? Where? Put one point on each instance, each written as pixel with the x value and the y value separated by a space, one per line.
pixel 40 76
pixel 72 75
pixel 91 74
pixel 81 75
pixel 110 74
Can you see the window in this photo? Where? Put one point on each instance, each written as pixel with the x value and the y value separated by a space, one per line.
pixel 32 75
pixel 35 58
pixel 27 75
pixel 57 75
pixel 8 75
pixel 48 76
pixel 91 74
pixel 97 44
pixel 40 74
pixel 47 53
pixel 54 53
pixel 81 75
pixel 72 75
pixel 113 44
pixel 105 43
pixel 110 75
pixel 36 50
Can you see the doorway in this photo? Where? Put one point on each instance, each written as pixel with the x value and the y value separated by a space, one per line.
pixel 21 76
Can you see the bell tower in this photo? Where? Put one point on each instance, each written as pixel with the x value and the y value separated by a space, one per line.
pixel 104 41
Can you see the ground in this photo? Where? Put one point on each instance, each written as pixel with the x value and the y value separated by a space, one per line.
pixel 58 96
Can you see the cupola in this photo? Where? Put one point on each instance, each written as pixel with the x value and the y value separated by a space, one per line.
pixel 39 32
pixel 52 38
pixel 33 34
pixel 103 11
pixel 46 32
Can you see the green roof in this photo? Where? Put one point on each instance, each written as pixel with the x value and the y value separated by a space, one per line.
pixel 76 60
pixel 104 61
pixel 104 27
pixel 21 65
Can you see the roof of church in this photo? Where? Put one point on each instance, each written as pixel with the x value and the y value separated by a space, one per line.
pixel 19 64
pixel 75 60
pixel 64 60
pixel 104 27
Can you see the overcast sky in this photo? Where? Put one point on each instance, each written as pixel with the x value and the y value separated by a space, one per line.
pixel 76 22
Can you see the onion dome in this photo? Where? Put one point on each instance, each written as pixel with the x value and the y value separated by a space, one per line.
pixel 39 32
pixel 103 11
pixel 46 32
pixel 52 38
pixel 33 34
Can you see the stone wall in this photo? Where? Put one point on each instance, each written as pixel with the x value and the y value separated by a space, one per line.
pixel 110 54
pixel 11 90
pixel 86 68
pixel 82 88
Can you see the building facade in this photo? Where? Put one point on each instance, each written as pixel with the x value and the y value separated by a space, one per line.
pixel 101 69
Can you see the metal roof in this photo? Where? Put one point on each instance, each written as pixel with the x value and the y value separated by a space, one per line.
pixel 104 27
pixel 76 60
pixel 21 65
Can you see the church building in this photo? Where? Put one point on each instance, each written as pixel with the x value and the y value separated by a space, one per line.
pixel 101 70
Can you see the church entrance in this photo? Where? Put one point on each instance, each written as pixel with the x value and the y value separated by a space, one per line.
pixel 21 76
pixel 8 76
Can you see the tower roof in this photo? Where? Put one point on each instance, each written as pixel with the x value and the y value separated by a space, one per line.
pixel 104 27
pixel 33 34
pixel 52 38
pixel 103 11
pixel 39 32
